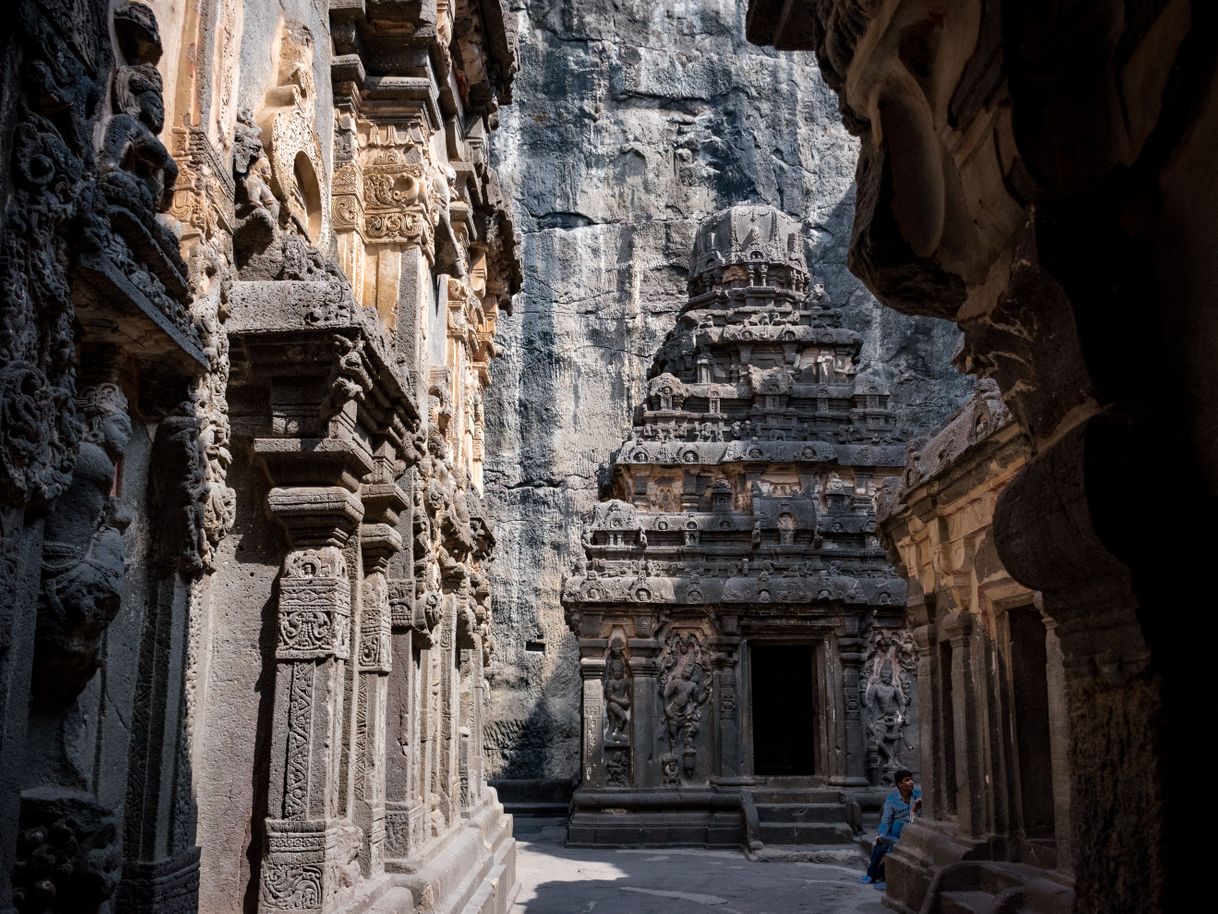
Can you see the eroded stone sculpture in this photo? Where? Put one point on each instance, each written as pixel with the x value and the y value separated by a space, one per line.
pixel 83 561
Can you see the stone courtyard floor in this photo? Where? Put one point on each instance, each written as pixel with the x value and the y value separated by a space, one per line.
pixel 560 880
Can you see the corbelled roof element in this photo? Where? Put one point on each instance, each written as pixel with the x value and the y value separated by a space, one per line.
pixel 759 239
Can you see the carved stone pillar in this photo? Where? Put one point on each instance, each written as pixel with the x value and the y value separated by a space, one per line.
pixel 592 672
pixel 469 724
pixel 300 866
pixel 968 700
pixel 932 800
pixel 851 654
pixel 727 699
pixel 447 780
pixel 1059 745
pixel 405 815
pixel 379 541
pixel 644 663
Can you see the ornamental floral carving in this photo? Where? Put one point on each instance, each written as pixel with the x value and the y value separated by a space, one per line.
pixel 314 606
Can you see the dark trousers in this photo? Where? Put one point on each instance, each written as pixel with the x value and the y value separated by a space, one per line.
pixel 875 869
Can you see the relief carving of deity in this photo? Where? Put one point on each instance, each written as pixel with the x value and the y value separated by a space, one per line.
pixel 887 692
pixel 684 690
pixel 83 562
pixel 617 692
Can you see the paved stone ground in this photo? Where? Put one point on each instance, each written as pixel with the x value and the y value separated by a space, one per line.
pixel 559 880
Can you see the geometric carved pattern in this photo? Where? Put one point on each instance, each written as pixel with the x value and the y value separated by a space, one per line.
pixel 314 606
pixel 300 719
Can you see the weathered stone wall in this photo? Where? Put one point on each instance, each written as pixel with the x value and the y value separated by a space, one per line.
pixel 631 122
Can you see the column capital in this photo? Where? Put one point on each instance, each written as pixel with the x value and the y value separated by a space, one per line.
pixel 316 515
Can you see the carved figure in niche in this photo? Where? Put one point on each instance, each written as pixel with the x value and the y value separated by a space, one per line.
pixel 824 366
pixel 83 563
pixel 684 689
pixel 257 206
pixel 617 766
pixel 886 701
pixel 844 368
pixel 887 687
pixel 450 257
pixel 68 858
pixel 786 529
pixel 136 172
pixel 617 692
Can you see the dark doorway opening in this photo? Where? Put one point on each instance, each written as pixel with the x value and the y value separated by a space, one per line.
pixel 1030 699
pixel 784 710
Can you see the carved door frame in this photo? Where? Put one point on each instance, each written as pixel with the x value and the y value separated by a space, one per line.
pixel 817 669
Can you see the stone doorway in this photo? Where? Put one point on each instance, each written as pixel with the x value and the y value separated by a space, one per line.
pixel 1030 737
pixel 784 710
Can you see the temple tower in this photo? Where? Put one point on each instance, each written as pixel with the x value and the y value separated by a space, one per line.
pixel 739 625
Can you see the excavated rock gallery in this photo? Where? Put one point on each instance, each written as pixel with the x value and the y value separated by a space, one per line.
pixel 605 457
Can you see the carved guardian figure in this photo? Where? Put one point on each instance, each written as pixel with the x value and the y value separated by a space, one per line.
pixel 83 563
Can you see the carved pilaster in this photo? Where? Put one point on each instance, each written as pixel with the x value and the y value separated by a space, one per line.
pixel 300 869
pixel 592 671
pixel 379 542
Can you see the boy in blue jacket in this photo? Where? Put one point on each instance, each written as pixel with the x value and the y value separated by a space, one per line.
pixel 899 807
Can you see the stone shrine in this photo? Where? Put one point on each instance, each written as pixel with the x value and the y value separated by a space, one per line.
pixel 738 622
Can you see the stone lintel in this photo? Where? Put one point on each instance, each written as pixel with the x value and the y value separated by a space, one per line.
pixel 115 310
pixel 384 502
pixel 277 324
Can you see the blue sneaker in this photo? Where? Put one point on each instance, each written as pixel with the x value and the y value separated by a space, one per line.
pixel 866 880
pixel 879 886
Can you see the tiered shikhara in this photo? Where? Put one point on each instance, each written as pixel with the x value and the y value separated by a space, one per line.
pixel 742 512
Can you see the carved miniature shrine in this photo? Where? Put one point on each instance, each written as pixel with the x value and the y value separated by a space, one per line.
pixel 739 625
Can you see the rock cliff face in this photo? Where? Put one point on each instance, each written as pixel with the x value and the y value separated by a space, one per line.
pixel 633 120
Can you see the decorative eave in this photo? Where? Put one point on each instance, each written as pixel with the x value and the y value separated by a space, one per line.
pixel 275 325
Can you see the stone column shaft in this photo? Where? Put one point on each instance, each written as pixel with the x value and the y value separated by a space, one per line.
pixel 299 866
pixel 379 542
pixel 645 714
pixel 592 671
pixel 851 657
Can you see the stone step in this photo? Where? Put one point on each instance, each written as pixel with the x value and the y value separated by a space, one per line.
pixel 965 902
pixel 395 901
pixel 805 833
pixel 490 891
pixel 532 810
pixel 839 855
pixel 801 812
pixel 770 795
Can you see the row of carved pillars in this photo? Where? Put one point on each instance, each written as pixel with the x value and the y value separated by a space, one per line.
pixel 377 720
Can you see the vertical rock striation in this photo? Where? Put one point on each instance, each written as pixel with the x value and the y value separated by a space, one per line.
pixel 632 122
